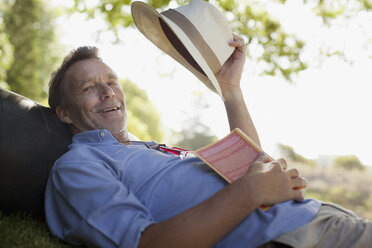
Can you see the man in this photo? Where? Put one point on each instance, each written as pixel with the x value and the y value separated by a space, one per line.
pixel 108 191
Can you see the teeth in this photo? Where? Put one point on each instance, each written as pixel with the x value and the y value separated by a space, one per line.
pixel 110 109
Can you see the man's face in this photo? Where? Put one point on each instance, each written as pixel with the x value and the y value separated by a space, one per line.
pixel 95 98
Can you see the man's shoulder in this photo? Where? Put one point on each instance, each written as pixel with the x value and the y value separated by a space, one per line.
pixel 77 154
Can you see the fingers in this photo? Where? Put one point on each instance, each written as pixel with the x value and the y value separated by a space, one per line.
pixel 238 39
pixel 280 163
pixel 299 188
pixel 299 183
pixel 237 42
pixel 261 158
pixel 293 173
pixel 276 182
pixel 283 163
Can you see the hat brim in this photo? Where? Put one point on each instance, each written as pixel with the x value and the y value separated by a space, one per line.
pixel 168 37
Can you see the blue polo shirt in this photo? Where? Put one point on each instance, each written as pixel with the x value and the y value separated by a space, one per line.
pixel 102 193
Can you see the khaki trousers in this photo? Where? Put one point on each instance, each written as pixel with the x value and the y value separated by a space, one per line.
pixel 333 226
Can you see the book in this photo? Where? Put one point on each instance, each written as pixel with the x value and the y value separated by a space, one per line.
pixel 231 156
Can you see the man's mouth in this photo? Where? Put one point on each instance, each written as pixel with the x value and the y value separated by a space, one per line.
pixel 110 109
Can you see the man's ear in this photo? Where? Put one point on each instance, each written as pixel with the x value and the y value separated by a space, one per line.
pixel 63 115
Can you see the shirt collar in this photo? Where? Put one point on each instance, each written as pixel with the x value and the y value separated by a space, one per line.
pixel 94 136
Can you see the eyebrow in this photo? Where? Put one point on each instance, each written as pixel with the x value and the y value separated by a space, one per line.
pixel 109 76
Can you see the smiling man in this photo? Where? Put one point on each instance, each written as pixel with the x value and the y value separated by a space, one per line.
pixel 86 111
pixel 108 191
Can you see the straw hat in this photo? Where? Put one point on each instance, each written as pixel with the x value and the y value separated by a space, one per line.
pixel 196 35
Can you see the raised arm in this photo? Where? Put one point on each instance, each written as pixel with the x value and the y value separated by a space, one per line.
pixel 264 184
pixel 229 80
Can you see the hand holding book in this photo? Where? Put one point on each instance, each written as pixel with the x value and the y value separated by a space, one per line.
pixel 232 156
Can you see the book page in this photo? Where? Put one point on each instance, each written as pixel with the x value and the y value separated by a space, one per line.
pixel 231 156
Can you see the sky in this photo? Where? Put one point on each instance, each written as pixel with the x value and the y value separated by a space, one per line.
pixel 325 112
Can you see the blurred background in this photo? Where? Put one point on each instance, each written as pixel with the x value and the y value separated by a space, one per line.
pixel 307 79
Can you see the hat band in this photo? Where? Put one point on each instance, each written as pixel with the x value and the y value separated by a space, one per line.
pixel 190 30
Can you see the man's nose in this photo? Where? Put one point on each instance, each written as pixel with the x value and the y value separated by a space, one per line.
pixel 106 91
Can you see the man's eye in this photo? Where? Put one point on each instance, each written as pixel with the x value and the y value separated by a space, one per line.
pixel 86 89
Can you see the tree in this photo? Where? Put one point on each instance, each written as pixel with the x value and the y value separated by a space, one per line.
pixel 143 118
pixel 194 133
pixel 280 51
pixel 329 9
pixel 6 49
pixel 349 162
pixel 29 26
pixel 195 136
pixel 288 152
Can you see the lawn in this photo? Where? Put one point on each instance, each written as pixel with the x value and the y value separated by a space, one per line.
pixel 23 231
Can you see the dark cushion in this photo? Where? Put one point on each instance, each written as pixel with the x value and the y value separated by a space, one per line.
pixel 31 139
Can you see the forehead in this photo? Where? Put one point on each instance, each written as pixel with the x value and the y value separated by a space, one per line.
pixel 87 69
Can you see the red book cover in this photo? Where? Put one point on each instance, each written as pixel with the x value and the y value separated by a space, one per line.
pixel 231 156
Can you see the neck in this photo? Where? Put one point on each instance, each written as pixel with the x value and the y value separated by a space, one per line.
pixel 121 137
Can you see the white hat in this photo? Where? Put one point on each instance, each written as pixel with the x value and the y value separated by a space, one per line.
pixel 196 35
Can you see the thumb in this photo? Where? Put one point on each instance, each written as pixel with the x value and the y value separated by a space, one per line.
pixel 261 158
pixel 258 164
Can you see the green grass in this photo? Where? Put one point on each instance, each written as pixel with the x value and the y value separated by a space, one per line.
pixel 23 231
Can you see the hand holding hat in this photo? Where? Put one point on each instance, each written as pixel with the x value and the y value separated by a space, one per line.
pixel 196 35
pixel 231 71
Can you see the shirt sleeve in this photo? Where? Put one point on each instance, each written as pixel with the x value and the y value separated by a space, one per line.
pixel 88 204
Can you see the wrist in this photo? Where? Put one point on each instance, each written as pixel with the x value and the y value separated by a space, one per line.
pixel 252 198
pixel 232 94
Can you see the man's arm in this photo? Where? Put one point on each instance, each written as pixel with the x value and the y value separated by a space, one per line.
pixel 264 184
pixel 229 80
pixel 207 223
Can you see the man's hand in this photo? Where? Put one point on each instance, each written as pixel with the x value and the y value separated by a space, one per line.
pixel 229 80
pixel 273 183
pixel 231 72
pixel 208 222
